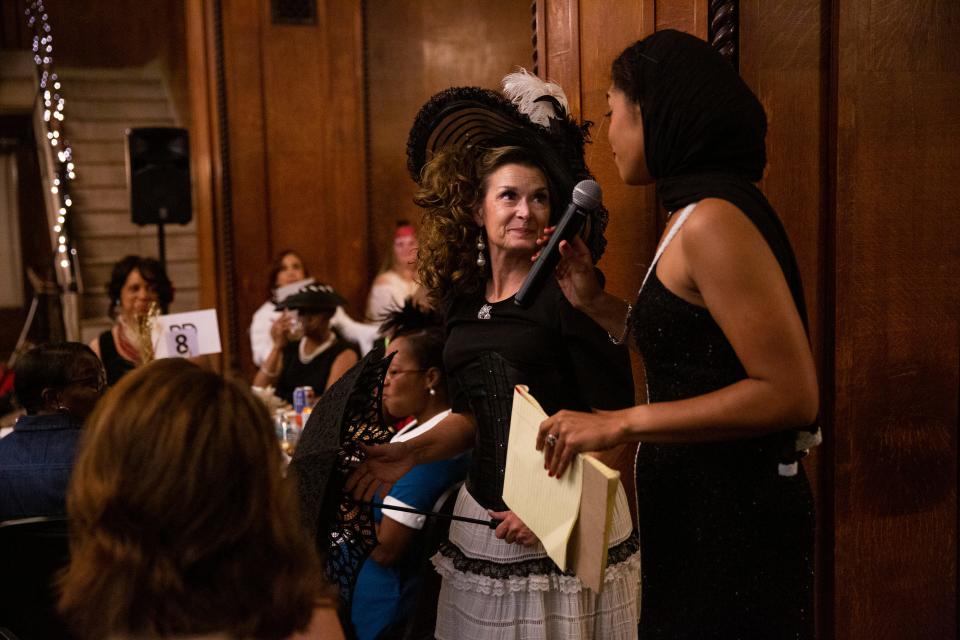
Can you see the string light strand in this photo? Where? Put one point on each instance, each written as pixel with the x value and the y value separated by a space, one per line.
pixel 53 103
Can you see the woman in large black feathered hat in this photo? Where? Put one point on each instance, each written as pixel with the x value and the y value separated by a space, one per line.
pixel 494 171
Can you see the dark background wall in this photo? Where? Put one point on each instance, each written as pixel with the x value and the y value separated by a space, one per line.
pixel 863 130
pixel 279 138
pixel 413 50
pixel 106 33
pixel 894 126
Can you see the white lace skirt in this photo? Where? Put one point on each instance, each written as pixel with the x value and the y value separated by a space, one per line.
pixel 500 591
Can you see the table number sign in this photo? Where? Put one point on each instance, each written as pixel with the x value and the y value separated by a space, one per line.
pixel 182 340
pixel 185 335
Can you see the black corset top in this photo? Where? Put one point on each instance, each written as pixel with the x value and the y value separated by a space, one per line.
pixel 488 383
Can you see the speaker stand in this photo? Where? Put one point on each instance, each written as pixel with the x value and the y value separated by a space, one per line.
pixel 162 245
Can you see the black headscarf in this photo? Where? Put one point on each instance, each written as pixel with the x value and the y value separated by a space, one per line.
pixel 704 132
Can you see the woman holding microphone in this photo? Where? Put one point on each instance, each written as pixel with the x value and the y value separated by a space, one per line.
pixel 725 511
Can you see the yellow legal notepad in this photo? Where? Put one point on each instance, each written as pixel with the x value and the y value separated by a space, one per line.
pixel 572 515
pixel 591 535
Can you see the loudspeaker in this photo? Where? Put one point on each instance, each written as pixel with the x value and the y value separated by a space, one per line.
pixel 158 175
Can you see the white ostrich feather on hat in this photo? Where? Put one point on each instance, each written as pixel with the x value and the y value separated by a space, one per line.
pixel 524 89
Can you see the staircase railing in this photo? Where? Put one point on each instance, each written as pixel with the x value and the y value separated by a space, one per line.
pixel 57 168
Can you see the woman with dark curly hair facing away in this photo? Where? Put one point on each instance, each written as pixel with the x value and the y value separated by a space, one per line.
pixel 487 196
pixel 182 522
pixel 725 511
pixel 135 283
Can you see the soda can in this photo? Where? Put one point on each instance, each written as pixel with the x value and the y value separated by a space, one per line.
pixel 301 398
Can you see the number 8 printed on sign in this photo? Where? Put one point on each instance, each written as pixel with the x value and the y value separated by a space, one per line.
pixel 182 340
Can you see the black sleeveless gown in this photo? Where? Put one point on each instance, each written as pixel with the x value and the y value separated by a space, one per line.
pixel 726 542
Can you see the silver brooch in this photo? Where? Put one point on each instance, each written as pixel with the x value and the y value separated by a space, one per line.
pixel 484 313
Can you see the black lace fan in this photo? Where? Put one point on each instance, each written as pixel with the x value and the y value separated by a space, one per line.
pixel 348 414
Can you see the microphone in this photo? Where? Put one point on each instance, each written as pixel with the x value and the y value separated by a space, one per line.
pixel 586 198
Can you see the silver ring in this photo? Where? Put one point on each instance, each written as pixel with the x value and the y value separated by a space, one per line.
pixel 551 440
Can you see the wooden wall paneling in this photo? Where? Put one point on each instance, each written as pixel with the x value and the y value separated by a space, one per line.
pixel 430 45
pixel 391 53
pixel 473 43
pixel 96 33
pixel 296 132
pixel 301 174
pixel 13 25
pixel 683 15
pixel 561 62
pixel 782 59
pixel 345 149
pixel 632 233
pixel 173 60
pixel 539 33
pixel 897 343
pixel 206 167
pixel 604 30
pixel 249 210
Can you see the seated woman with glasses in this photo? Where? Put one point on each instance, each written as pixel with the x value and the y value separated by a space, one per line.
pixel 415 385
pixel 58 385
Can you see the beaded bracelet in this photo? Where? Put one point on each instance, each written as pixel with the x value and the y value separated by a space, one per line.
pixel 626 328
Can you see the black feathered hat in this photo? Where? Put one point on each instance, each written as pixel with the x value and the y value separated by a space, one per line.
pixel 530 113
pixel 313 297
pixel 410 318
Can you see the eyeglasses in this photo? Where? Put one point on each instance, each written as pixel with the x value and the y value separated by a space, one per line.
pixel 392 373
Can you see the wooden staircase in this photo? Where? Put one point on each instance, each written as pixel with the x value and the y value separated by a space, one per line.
pixel 101 104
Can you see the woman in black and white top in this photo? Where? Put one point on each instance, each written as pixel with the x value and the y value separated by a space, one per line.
pixel 317 359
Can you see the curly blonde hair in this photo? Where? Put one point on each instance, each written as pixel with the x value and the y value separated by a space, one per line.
pixel 452 186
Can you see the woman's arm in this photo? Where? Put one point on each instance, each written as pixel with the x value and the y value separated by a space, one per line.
pixel 273 364
pixel 386 463
pixel 261 341
pixel 393 539
pixel 363 333
pixel 341 364
pixel 270 369
pixel 731 267
pixel 324 625
pixel 578 280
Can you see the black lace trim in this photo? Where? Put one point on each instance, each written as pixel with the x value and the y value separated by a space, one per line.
pixel 347 416
pixel 537 566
